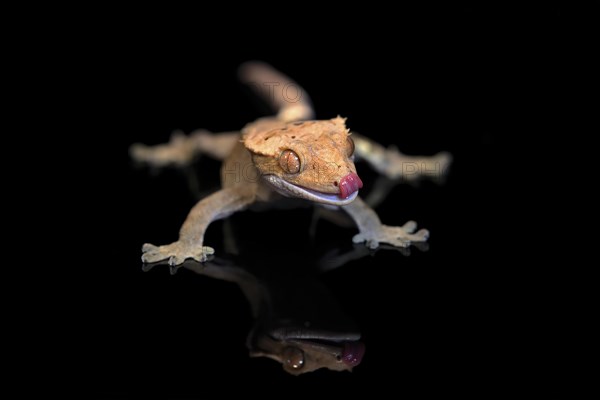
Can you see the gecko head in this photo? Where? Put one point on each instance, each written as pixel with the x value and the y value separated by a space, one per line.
pixel 310 159
pixel 301 351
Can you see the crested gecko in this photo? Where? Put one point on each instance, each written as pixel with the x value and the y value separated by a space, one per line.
pixel 290 155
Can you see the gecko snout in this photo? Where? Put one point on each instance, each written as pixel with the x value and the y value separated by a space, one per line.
pixel 349 184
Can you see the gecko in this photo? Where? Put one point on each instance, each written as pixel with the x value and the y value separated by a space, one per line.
pixel 288 155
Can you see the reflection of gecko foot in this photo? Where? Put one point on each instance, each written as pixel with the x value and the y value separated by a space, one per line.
pixel 189 264
pixel 176 252
pixel 399 236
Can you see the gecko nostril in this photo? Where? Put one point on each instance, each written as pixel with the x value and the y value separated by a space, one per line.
pixel 335 183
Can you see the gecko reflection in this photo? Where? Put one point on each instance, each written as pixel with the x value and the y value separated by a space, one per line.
pixel 303 336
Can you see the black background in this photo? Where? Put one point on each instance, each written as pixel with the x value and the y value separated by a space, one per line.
pixel 457 79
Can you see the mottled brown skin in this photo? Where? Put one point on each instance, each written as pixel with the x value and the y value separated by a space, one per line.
pixel 323 147
pixel 291 155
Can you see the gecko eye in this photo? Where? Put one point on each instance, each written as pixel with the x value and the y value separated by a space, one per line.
pixel 350 146
pixel 289 162
pixel 293 358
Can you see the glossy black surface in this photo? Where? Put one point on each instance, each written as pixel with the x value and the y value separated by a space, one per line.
pixel 431 320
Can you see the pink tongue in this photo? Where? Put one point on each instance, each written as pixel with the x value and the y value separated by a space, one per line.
pixel 349 184
pixel 353 353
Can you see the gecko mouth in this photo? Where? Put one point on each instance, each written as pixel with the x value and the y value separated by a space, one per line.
pixel 290 190
pixel 350 353
pixel 344 346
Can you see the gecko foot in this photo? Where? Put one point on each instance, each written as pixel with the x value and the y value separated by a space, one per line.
pixel 176 252
pixel 399 236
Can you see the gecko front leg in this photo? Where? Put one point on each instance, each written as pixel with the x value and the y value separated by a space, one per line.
pixel 191 236
pixel 373 232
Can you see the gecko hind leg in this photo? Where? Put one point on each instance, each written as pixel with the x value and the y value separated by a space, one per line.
pixel 395 165
pixel 181 150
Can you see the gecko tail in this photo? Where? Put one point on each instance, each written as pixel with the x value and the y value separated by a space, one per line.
pixel 289 99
